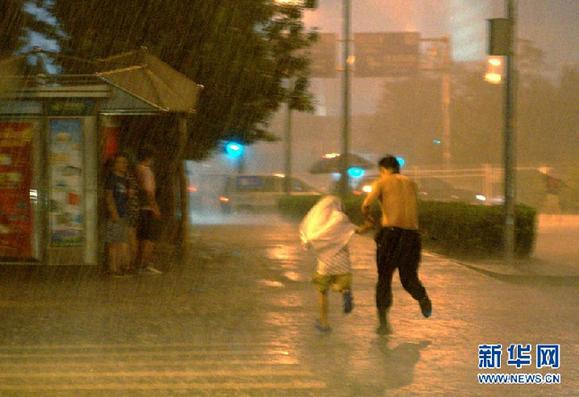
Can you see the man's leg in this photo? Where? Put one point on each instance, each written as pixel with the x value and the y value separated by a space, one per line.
pixel 146 253
pixel 133 249
pixel 123 257
pixel 112 258
pixel 384 289
pixel 140 236
pixel 385 269
pixel 324 308
pixel 384 299
pixel 409 262
pixel 146 235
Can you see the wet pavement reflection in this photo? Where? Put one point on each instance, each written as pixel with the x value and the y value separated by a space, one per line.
pixel 236 318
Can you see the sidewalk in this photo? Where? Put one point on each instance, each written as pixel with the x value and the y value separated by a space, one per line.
pixel 528 271
pixel 555 257
pixel 165 255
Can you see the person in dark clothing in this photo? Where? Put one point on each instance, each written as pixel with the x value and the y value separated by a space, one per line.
pixel 398 243
pixel 132 217
pixel 116 227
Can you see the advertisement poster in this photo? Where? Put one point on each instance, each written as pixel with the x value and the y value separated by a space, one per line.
pixel 66 183
pixel 16 222
pixel 110 133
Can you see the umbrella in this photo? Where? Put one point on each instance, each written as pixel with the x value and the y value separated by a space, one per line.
pixel 331 163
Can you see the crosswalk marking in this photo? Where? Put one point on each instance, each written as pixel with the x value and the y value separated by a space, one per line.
pixel 157 374
pixel 149 353
pixel 149 363
pixel 87 346
pixel 240 386
pixel 246 367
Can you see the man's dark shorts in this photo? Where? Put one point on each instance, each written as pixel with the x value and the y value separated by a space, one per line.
pixel 398 248
pixel 148 227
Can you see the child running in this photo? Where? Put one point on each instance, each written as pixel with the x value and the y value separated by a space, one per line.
pixel 326 230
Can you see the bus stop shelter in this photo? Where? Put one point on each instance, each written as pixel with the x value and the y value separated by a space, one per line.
pixel 55 132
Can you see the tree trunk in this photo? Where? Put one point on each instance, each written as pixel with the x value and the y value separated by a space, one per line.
pixel 183 192
pixel 184 205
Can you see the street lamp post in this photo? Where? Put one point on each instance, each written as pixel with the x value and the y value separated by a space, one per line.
pixel 345 155
pixel 502 42
pixel 443 65
pixel 344 158
pixel 510 139
pixel 288 141
pixel 445 101
pixel 291 87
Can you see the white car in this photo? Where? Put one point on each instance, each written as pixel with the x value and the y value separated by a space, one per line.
pixel 259 192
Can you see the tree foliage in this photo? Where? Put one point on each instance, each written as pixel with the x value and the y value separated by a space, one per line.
pixel 12 22
pixel 18 20
pixel 241 52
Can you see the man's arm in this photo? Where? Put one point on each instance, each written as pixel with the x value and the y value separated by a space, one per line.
pixel 152 200
pixel 370 198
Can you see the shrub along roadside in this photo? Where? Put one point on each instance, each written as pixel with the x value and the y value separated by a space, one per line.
pixel 450 228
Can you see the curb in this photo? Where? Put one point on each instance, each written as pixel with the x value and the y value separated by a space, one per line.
pixel 524 278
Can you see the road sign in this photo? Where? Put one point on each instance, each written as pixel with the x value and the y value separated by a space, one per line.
pixel 386 54
pixel 500 36
pixel 298 3
pixel 323 56
pixel 434 54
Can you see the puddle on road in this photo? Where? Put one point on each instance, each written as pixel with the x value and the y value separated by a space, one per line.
pixel 290 301
pixel 217 218
pixel 271 283
pixel 293 276
pixel 281 253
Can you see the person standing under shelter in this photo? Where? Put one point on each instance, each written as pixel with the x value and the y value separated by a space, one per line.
pixel 116 227
pixel 398 242
pixel 133 207
pixel 149 213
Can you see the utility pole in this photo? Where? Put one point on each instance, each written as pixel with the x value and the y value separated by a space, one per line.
pixel 241 165
pixel 288 141
pixel 502 43
pixel 442 63
pixel 445 100
pixel 510 137
pixel 345 156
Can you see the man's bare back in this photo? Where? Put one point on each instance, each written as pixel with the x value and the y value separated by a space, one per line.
pixel 396 195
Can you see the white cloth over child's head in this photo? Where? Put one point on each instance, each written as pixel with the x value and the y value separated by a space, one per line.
pixel 326 228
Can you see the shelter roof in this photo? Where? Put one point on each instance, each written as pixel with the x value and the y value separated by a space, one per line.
pixel 136 75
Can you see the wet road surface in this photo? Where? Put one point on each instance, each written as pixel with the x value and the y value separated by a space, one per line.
pixel 236 319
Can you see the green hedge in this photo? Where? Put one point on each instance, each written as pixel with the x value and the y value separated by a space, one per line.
pixel 450 228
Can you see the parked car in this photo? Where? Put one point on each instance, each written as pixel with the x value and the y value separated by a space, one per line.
pixel 258 192
pixel 429 188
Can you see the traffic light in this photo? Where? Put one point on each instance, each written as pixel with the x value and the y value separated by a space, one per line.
pixel 500 36
pixel 495 70
pixel 401 161
pixel 356 172
pixel 234 149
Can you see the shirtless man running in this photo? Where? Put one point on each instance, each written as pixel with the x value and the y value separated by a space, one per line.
pixel 398 243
